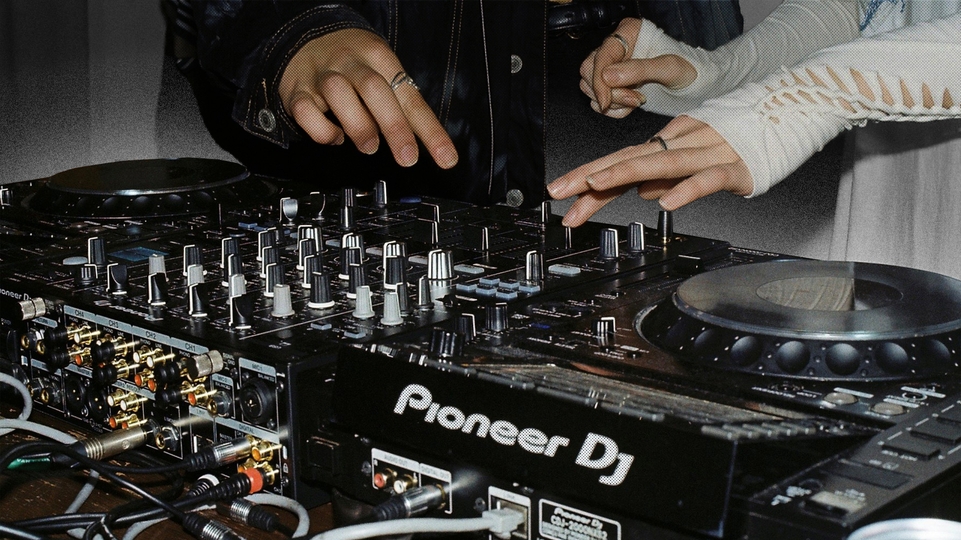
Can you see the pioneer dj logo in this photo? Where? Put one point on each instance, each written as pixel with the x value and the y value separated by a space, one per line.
pixel 597 452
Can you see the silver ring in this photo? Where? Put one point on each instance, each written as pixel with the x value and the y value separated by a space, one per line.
pixel 620 39
pixel 658 139
pixel 402 78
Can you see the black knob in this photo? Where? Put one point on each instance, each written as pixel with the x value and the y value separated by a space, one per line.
pixel 270 255
pixel 465 325
pixel 196 302
pixel 86 275
pixel 306 247
pixel 403 299
pixel 635 234
pixel 320 297
pixel 356 277
pixel 348 197
pixel 352 256
pixel 534 267
pixel 608 248
pixel 265 239
pixel 445 344
pixel 275 276
pixel 312 265
pixel 395 271
pixel 97 252
pixel 228 246
pixel 117 279
pixel 665 226
pixel 497 317
pixel 380 193
pixel 233 265
pixel 157 289
pixel 242 311
pixel 346 218
pixel 604 328
pixel 192 255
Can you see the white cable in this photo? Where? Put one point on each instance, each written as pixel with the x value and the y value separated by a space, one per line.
pixel 7 425
pixel 271 499
pixel 500 522
pixel 24 392
pixel 141 526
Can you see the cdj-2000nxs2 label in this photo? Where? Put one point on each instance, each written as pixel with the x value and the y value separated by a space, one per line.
pixel 609 382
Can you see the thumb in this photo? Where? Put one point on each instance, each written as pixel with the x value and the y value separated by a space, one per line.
pixel 669 70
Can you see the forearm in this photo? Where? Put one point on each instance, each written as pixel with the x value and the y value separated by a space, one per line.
pixel 790 33
pixel 910 74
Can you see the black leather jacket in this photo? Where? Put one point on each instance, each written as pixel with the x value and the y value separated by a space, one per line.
pixel 480 65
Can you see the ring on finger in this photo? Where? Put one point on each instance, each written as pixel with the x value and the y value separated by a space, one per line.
pixel 402 78
pixel 659 140
pixel 620 39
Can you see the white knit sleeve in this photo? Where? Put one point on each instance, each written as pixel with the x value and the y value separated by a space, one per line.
pixel 790 33
pixel 910 74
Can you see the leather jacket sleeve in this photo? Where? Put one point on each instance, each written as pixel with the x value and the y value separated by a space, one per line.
pixel 249 63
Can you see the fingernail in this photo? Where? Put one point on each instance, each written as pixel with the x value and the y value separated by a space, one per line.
pixel 668 202
pixel 408 155
pixel 446 157
pixel 634 102
pixel 369 146
pixel 556 189
pixel 340 140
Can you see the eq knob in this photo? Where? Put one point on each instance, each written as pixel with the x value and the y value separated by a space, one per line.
pixel 608 249
pixel 604 329
pixel 363 305
pixel 320 297
pixel 356 278
pixel 192 255
pixel 534 267
pixel 117 279
pixel 445 344
pixel 97 252
pixel 392 314
pixel 196 302
pixel 283 306
pixel 665 226
pixel 157 289
pixel 380 193
pixel 312 265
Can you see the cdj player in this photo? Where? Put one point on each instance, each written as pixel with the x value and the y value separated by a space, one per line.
pixel 608 382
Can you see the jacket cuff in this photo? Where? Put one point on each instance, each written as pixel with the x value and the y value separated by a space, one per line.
pixel 258 107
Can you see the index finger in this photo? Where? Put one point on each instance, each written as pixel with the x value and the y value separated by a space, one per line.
pixel 427 127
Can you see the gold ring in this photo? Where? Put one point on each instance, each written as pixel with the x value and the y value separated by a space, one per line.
pixel 402 78
pixel 658 139
pixel 620 39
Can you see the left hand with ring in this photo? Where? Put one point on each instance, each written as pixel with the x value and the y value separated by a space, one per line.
pixel 610 76
pixel 355 76
pixel 690 161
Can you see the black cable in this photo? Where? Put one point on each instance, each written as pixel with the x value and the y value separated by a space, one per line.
pixel 8 531
pixel 237 485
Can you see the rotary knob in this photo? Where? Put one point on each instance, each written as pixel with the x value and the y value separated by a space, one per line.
pixel 445 344
pixel 534 267
pixel 635 235
pixel 306 247
pixel 270 255
pixel 380 193
pixel 97 252
pixel 275 276
pixel 117 279
pixel 439 265
pixel 608 249
pixel 496 317
pixel 232 265
pixel 283 306
pixel 312 265
pixel 395 272
pixel 265 239
pixel 392 315
pixel 465 325
pixel 192 255
pixel 288 210
pixel 665 226
pixel 604 329
pixel 228 246
pixel 157 289
pixel 363 305
pixel 156 264
pixel 196 302
pixel 356 278
pixel 320 297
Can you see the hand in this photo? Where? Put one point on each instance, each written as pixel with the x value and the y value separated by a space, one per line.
pixel 610 77
pixel 348 72
pixel 697 163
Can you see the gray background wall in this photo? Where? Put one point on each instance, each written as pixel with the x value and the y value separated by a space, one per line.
pixel 80 83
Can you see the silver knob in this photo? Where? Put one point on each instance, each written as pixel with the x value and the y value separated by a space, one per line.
pixel 439 265
pixel 283 307
pixel 608 244
pixel 635 241
pixel 392 315
pixel 363 306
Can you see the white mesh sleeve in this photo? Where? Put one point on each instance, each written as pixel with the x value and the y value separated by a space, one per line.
pixel 910 74
pixel 791 32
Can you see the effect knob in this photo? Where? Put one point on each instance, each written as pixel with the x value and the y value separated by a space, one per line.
pixel 265 239
pixel 233 265
pixel 424 300
pixel 346 220
pixel 228 246
pixel 270 255
pixel 348 197
pixel 466 326
pixel 403 299
pixel 312 232
pixel 241 311
pixel 195 274
pixel 306 247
